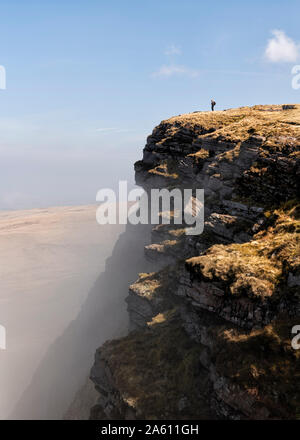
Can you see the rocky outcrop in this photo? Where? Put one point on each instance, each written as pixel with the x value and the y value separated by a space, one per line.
pixel 210 332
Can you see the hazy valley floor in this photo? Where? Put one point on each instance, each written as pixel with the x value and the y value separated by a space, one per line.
pixel 49 260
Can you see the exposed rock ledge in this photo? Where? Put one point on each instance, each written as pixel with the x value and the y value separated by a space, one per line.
pixel 210 333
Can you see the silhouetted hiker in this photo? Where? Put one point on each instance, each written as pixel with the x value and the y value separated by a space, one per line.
pixel 213 103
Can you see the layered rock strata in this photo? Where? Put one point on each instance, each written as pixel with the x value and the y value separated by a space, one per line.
pixel 210 333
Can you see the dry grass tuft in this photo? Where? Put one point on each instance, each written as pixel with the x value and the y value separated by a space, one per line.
pixel 257 268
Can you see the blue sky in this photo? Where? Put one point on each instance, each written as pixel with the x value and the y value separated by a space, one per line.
pixel 88 80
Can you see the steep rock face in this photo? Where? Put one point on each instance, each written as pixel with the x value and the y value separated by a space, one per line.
pixel 210 333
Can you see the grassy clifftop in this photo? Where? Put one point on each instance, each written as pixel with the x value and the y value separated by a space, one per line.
pixel 276 126
pixel 253 151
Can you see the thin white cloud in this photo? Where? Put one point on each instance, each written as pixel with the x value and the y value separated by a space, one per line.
pixel 173 50
pixel 173 69
pixel 281 48
pixel 167 71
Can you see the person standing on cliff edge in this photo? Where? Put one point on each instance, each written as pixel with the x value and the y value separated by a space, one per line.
pixel 213 103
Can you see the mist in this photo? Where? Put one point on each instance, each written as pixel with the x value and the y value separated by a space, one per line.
pixel 54 302
pixel 59 387
pixel 67 178
pixel 49 261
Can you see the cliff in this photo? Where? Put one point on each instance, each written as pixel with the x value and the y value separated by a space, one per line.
pixel 210 333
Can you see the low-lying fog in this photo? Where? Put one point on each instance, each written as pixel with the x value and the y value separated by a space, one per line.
pixel 49 260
